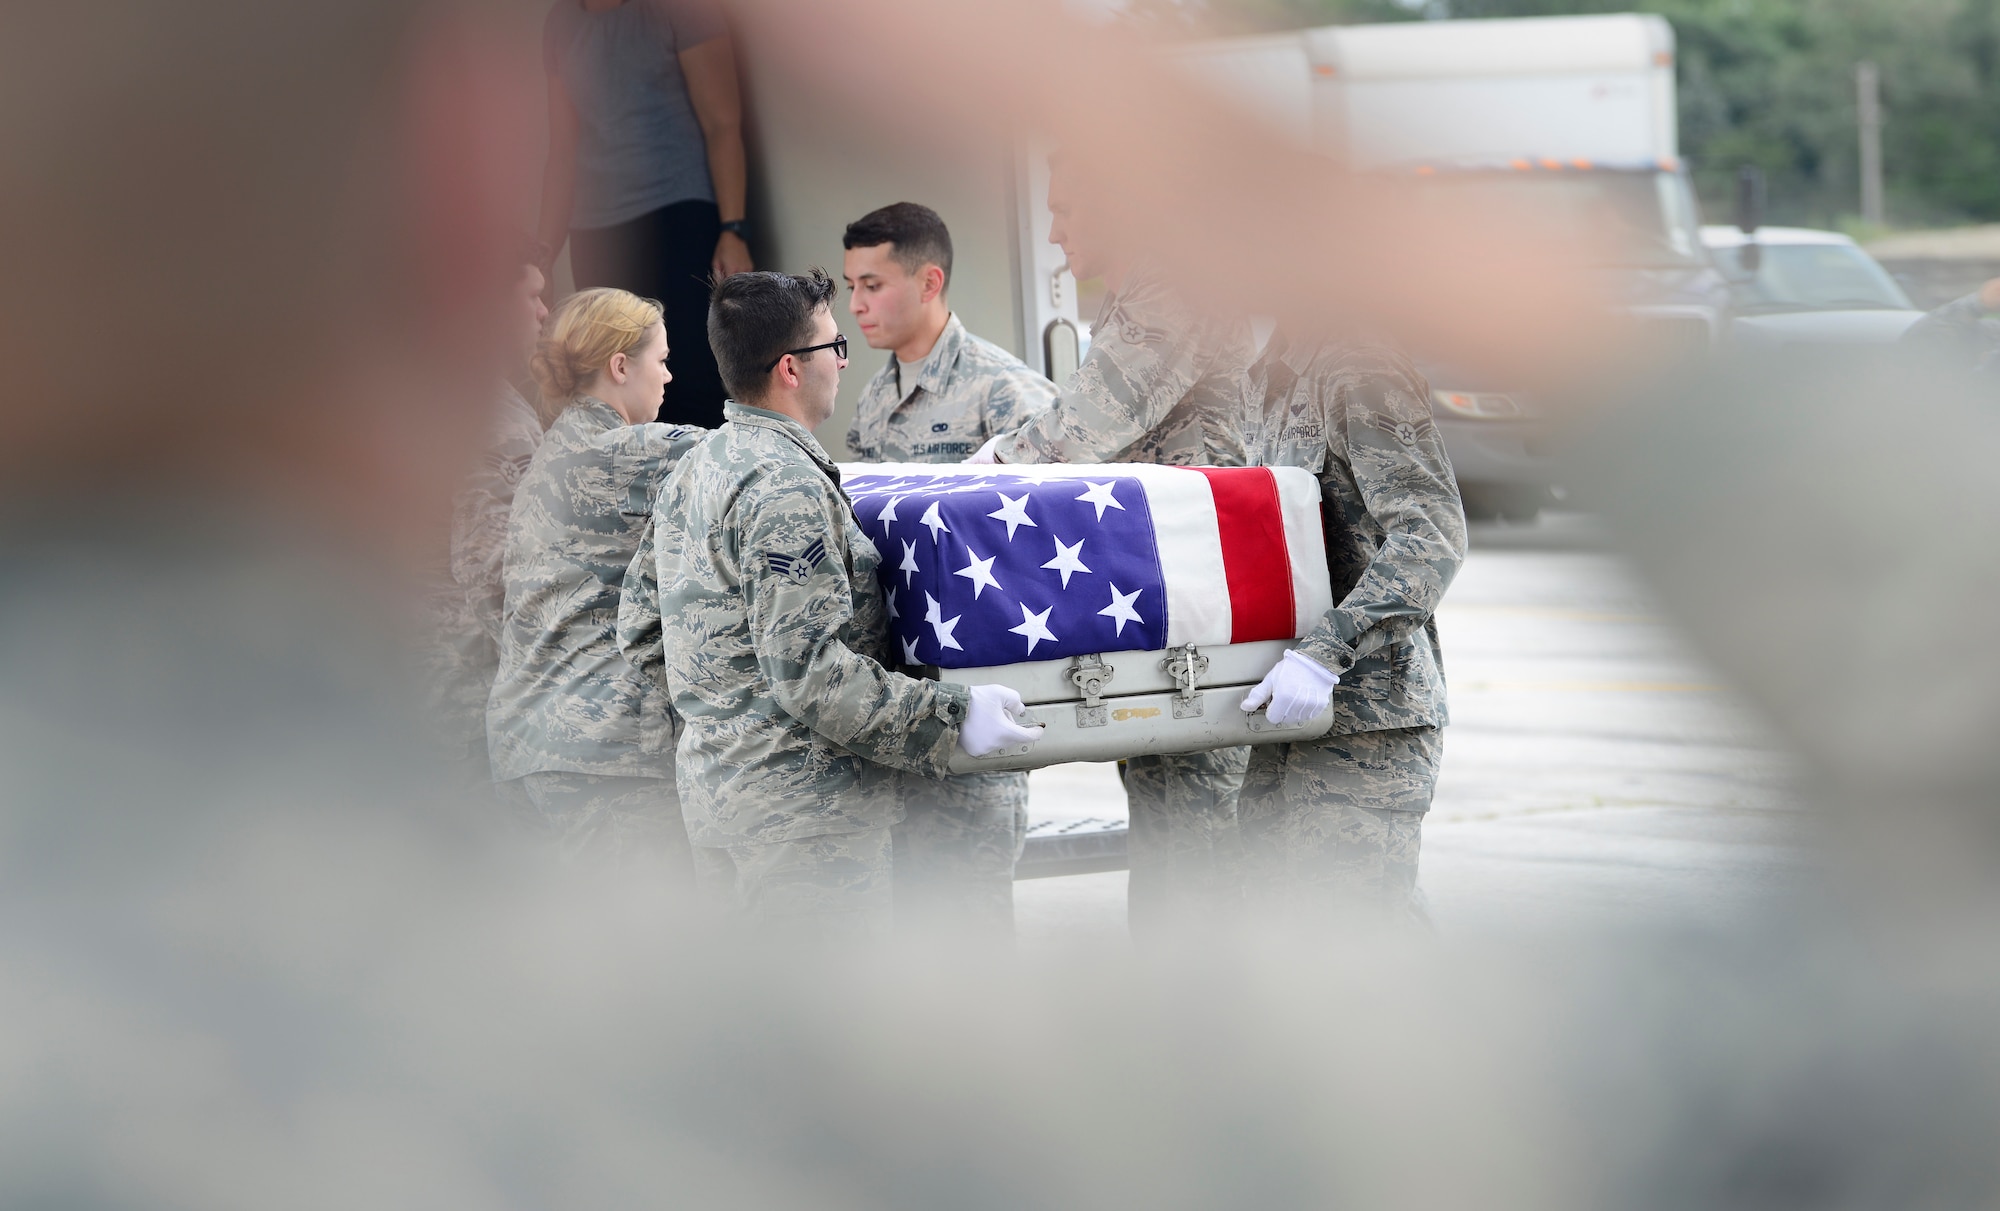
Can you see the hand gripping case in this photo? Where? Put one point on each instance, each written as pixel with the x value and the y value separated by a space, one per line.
pixel 1131 606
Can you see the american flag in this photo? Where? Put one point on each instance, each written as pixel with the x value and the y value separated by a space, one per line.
pixel 987 566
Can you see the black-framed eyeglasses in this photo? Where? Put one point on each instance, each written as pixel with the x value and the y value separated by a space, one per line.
pixel 838 344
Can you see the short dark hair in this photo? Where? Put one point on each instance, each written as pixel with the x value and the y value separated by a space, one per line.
pixel 755 318
pixel 918 234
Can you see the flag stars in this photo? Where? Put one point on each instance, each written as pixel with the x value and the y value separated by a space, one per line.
pixel 1034 627
pixel 1120 610
pixel 909 565
pixel 1067 561
pixel 910 652
pixel 1101 496
pixel 935 521
pixel 888 513
pixel 1014 511
pixel 979 572
pixel 943 627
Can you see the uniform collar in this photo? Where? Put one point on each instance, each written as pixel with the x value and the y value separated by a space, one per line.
pixel 593 409
pixel 764 418
pixel 933 373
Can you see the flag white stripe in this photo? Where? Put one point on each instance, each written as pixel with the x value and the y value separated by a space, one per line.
pixel 1190 544
pixel 1305 542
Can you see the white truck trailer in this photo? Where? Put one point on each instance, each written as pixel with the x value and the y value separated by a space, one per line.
pixel 1567 122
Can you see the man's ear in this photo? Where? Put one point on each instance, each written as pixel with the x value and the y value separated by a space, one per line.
pixel 933 282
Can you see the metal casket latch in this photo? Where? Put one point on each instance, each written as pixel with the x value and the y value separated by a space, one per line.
pixel 1187 667
pixel 1090 675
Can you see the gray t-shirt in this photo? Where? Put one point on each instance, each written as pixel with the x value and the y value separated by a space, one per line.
pixel 639 146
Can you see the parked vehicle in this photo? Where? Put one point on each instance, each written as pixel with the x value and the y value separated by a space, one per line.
pixel 1802 286
pixel 1569 121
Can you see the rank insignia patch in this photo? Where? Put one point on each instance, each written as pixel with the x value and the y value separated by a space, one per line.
pixel 798 568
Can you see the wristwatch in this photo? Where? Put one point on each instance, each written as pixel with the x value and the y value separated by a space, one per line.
pixel 739 228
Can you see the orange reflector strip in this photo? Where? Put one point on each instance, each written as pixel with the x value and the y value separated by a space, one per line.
pixel 1552 165
pixel 1585 165
pixel 1663 58
pixel 1325 69
pixel 1426 171
pixel 1522 165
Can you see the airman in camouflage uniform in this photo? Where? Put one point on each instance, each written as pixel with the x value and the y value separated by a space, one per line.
pixel 590 739
pixel 1164 382
pixel 465 602
pixel 957 846
pixel 966 390
pixel 1335 823
pixel 776 642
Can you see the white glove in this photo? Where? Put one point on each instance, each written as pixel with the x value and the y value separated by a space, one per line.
pixel 989 723
pixel 985 453
pixel 1297 688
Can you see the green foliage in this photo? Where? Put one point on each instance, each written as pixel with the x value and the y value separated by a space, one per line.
pixel 1771 82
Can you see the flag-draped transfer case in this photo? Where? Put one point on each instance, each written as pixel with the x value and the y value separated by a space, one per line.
pixel 1131 605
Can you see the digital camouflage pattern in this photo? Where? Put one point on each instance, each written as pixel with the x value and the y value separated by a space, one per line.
pixel 565 698
pixel 1334 826
pixel 638 633
pixel 607 818
pixel 776 641
pixel 960 837
pixel 1164 382
pixel 957 847
pixel 963 392
pixel 1358 416
pixel 465 595
pixel 828 888
pixel 1962 331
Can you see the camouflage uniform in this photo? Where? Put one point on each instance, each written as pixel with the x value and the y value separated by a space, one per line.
pixel 776 642
pixel 1164 382
pixel 1335 823
pixel 958 843
pixel 464 600
pixel 1963 331
pixel 963 392
pixel 591 739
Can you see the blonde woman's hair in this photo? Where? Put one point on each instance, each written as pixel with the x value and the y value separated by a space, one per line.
pixel 588 329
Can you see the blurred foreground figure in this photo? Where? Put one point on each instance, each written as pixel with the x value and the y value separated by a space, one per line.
pixel 589 737
pixel 777 643
pixel 466 602
pixel 941 395
pixel 253 957
pixel 1336 823
pixel 1167 380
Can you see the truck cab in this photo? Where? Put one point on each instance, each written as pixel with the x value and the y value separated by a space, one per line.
pixel 1563 124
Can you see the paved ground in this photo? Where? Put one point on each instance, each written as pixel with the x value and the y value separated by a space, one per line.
pixel 1595 773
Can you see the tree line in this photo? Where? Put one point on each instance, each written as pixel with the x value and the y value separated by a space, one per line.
pixel 1770 83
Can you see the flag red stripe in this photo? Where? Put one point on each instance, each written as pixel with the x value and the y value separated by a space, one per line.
pixel 1254 557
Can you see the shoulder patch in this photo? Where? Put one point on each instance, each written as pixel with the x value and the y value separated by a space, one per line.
pixel 1407 430
pixel 797 568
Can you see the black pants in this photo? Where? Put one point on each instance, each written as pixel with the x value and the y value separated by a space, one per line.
pixel 665 255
